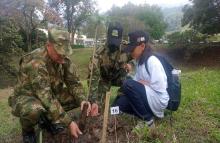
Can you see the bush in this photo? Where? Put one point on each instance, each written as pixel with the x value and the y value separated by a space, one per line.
pixel 38 39
pixel 183 39
pixel 10 37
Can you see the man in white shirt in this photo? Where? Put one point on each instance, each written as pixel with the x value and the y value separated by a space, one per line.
pixel 145 96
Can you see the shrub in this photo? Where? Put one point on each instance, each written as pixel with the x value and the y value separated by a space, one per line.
pixel 10 37
pixel 183 39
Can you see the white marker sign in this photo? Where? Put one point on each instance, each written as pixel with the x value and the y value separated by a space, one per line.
pixel 114 110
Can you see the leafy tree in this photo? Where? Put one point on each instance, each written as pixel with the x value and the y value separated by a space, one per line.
pixel 203 16
pixel 10 38
pixel 28 16
pixel 38 39
pixel 76 12
pixel 25 13
pixel 89 27
pixel 144 17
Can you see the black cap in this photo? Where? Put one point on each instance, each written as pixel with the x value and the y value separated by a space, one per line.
pixel 136 38
pixel 114 36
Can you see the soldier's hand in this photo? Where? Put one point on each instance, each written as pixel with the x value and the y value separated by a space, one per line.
pixel 89 106
pixel 74 130
pixel 128 67
pixel 94 110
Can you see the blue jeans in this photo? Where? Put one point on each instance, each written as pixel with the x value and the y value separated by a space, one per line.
pixel 134 100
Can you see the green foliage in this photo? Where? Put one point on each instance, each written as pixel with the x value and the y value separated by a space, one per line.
pixel 185 38
pixel 203 16
pixel 89 28
pixel 215 37
pixel 75 46
pixel 38 39
pixel 75 12
pixel 144 17
pixel 10 38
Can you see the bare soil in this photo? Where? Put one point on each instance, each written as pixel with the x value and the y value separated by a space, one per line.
pixel 119 130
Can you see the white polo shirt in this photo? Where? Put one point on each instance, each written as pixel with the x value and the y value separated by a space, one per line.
pixel 156 92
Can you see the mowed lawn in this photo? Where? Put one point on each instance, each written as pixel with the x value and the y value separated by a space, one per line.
pixel 196 121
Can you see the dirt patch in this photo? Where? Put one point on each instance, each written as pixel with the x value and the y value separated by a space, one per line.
pixel 4 93
pixel 119 130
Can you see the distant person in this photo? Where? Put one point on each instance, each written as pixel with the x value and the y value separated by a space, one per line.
pixel 145 96
pixel 48 86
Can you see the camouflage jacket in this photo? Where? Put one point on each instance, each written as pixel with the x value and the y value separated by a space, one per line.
pixel 40 77
pixel 107 70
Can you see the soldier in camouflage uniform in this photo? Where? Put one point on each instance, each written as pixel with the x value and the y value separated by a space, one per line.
pixel 48 86
pixel 108 66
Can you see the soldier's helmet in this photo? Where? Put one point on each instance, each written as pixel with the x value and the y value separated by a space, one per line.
pixel 60 40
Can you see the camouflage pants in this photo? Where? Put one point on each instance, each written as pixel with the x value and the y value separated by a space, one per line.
pixel 29 108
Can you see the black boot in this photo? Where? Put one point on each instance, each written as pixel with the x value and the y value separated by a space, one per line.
pixel 29 136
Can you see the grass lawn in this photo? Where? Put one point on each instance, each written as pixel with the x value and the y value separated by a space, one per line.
pixel 8 123
pixel 197 120
pixel 81 57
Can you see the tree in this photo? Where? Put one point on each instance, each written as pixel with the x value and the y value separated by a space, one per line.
pixel 143 17
pixel 153 19
pixel 203 16
pixel 9 36
pixel 10 43
pixel 89 27
pixel 25 13
pixel 76 12
pixel 28 16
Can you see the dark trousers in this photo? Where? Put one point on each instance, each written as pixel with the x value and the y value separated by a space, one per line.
pixel 134 100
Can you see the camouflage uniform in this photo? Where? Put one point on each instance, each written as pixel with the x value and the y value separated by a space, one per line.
pixel 45 87
pixel 107 71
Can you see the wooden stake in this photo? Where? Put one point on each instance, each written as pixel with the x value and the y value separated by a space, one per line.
pixel 105 120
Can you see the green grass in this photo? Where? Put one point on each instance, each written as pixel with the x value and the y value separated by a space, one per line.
pixel 81 58
pixel 197 119
pixel 8 123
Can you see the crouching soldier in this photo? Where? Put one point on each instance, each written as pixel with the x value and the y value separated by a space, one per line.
pixel 48 86
pixel 108 66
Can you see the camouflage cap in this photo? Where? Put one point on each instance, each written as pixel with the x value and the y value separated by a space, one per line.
pixel 60 39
